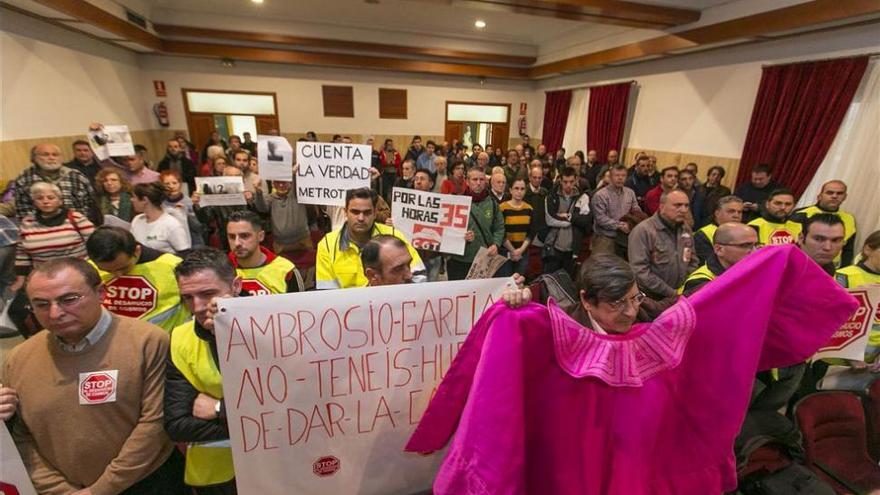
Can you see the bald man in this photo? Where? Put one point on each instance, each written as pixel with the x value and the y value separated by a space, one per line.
pixel 661 248
pixel 732 242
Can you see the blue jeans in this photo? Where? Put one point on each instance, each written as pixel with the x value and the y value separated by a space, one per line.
pixel 511 267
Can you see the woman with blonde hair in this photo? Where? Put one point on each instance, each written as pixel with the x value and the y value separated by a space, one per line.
pixel 114 194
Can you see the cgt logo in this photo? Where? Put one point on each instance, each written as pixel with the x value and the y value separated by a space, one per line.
pixel 427 237
pixel 97 387
pixel 326 466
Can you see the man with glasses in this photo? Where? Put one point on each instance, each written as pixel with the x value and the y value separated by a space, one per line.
pixel 661 249
pixel 731 243
pixel 89 420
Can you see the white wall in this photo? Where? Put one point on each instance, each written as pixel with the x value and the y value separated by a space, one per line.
pixel 300 105
pixel 55 82
pixel 701 103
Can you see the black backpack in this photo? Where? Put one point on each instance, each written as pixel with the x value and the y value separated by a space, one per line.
pixel 762 428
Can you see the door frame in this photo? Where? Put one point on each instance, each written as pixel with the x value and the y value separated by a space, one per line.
pixel 189 114
pixel 446 121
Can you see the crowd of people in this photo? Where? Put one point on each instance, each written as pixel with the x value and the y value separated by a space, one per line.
pixel 101 253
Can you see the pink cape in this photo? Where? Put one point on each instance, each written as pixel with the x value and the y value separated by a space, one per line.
pixel 540 405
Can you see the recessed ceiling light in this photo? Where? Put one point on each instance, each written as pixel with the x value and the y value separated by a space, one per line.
pixel 257 1
pixel 480 24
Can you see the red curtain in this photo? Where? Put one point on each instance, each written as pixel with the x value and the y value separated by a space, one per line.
pixel 606 119
pixel 797 113
pixel 555 117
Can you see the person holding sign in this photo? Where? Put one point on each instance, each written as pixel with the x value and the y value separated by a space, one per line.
pixel 597 404
pixel 338 259
pixel 138 281
pixel 194 408
pixel 485 226
pixel 262 271
pixel 89 420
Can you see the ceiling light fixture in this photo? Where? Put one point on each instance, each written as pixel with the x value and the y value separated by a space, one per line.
pixel 480 24
pixel 257 1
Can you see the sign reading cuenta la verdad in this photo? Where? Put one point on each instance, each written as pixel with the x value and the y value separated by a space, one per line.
pixel 327 170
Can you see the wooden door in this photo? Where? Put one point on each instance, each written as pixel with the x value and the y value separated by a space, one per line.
pixel 200 127
pixel 501 136
pixel 454 130
pixel 267 123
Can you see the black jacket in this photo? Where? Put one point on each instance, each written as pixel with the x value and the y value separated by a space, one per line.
pixel 187 170
pixel 180 424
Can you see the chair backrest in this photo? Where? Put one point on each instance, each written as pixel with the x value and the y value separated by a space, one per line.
pixel 872 410
pixel 835 440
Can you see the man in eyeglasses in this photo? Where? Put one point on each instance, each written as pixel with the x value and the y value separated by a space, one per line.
pixel 732 242
pixel 89 417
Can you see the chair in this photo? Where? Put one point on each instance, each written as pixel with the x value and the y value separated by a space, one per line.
pixel 835 441
pixel 872 411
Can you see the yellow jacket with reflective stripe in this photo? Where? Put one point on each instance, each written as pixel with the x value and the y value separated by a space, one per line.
pixel 769 233
pixel 339 267
pixel 703 272
pixel 856 276
pixel 167 312
pixel 271 278
pixel 205 464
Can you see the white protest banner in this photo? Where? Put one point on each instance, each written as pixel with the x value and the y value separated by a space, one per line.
pixel 14 479
pixel 220 191
pixel 434 222
pixel 111 140
pixel 850 340
pixel 323 389
pixel 327 170
pixel 275 157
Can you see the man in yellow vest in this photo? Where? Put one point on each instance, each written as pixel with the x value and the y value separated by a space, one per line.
pixel 262 272
pixel 727 209
pixel 732 242
pixel 774 228
pixel 822 239
pixel 831 196
pixel 194 408
pixel 138 281
pixel 338 259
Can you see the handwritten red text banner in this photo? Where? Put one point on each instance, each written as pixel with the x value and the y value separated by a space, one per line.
pixel 323 389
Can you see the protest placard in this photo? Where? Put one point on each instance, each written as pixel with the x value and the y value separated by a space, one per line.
pixel 220 191
pixel 485 265
pixel 850 340
pixel 275 157
pixel 14 478
pixel 327 170
pixel 434 222
pixel 323 389
pixel 111 140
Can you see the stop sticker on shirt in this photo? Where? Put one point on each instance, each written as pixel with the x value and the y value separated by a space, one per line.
pixel 781 237
pixel 254 287
pixel 132 296
pixel 98 387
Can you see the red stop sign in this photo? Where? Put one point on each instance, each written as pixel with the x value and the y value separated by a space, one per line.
pixel 132 296
pixel 254 287
pixel 855 328
pixel 780 237
pixel 326 466
pixel 97 387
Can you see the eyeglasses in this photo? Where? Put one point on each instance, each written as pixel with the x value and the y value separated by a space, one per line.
pixel 635 301
pixel 66 302
pixel 751 246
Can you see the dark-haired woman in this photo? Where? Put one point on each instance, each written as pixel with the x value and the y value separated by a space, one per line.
pixel 154 227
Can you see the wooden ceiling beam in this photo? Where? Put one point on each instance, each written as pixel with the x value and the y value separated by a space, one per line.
pixel 302 42
pixel 236 52
pixel 88 13
pixel 616 12
pixel 798 16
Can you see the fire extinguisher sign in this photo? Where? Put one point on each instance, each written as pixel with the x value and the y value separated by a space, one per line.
pixel 522 108
pixel 159 87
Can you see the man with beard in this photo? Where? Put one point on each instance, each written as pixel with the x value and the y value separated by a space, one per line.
pixel 755 192
pixel 774 227
pixel 84 160
pixel 261 271
pixel 641 181
pixel 831 196
pixel 76 191
pixel 176 159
